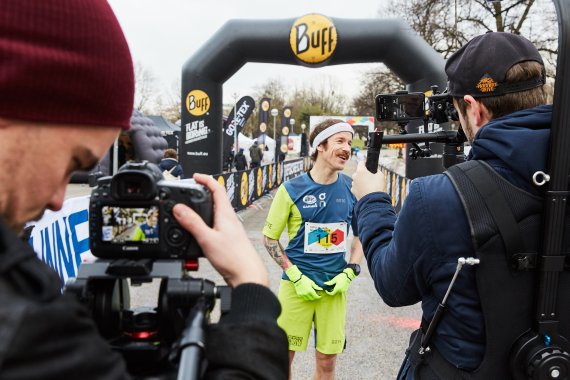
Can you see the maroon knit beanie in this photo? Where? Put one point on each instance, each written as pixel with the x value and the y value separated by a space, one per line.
pixel 64 61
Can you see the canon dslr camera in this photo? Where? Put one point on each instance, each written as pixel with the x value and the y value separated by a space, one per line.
pixel 130 215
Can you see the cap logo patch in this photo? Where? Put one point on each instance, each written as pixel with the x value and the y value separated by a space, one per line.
pixel 486 84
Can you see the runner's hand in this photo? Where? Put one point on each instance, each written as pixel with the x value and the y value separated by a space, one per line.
pixel 341 282
pixel 304 286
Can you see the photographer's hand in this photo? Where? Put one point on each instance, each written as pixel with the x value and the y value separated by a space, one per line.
pixel 226 244
pixel 364 182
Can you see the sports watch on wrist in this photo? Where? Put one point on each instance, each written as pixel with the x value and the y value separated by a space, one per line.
pixel 355 268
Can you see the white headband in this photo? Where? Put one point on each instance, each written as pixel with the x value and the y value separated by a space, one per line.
pixel 332 130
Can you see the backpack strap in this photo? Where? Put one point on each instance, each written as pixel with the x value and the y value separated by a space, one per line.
pixel 474 177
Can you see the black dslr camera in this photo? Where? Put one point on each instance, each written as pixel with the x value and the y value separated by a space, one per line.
pixel 137 239
pixel 130 215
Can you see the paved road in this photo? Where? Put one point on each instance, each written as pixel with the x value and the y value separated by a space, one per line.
pixel 377 335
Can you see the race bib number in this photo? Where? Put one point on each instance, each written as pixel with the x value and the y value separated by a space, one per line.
pixel 325 238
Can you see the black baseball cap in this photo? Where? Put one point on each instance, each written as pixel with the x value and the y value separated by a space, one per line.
pixel 479 67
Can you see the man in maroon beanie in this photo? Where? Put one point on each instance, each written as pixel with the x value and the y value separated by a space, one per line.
pixel 66 90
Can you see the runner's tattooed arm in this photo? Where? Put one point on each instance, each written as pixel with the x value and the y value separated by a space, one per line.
pixel 277 252
pixel 356 251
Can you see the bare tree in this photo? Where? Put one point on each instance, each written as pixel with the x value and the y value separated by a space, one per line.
pixel 447 25
pixel 145 89
pixel 169 106
pixel 326 98
pixel 379 80
pixel 276 91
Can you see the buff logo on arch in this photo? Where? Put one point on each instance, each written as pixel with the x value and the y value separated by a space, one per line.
pixel 313 38
pixel 197 102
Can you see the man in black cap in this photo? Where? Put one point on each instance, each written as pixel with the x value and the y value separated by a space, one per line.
pixel 496 83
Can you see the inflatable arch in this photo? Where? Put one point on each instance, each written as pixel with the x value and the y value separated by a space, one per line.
pixel 312 40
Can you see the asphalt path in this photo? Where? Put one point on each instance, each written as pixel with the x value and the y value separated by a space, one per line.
pixel 377 334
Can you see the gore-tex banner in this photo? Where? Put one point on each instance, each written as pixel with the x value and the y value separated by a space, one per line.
pixel 237 120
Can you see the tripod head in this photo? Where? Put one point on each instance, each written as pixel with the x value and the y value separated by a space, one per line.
pixel 145 336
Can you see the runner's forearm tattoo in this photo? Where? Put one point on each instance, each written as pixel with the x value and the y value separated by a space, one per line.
pixel 276 251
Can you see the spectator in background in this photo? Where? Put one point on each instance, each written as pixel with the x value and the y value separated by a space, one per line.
pixel 170 163
pixel 240 160
pixel 229 159
pixel 256 155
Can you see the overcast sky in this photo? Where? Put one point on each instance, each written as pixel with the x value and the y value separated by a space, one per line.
pixel 163 34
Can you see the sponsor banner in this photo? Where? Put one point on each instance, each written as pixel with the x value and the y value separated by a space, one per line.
pixel 243 189
pixel 257 177
pixel 278 174
pixel 251 185
pixel 236 121
pixel 285 120
pixel 196 130
pixel 263 121
pixel 201 135
pixel 61 239
pixel 396 186
pixel 293 168
pixel 228 180
pixel 270 176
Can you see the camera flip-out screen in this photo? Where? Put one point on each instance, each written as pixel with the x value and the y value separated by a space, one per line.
pixel 130 225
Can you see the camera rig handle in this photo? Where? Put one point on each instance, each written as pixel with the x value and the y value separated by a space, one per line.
pixel 193 342
pixel 424 346
pixel 373 155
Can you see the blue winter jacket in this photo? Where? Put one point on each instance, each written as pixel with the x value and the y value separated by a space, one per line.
pixel 412 257
pixel 168 164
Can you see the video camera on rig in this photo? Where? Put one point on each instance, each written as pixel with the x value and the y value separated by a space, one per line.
pixel 136 237
pixel 403 107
